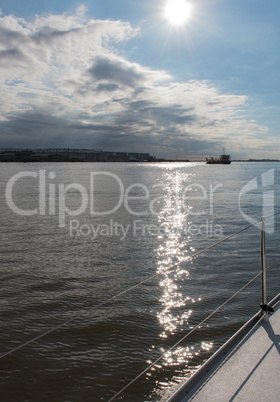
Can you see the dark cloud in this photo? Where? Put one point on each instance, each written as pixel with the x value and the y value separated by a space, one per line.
pixel 28 124
pixel 9 37
pixel 141 111
pixel 41 129
pixel 170 115
pixel 48 34
pixel 11 55
pixel 13 43
pixel 107 87
pixel 116 71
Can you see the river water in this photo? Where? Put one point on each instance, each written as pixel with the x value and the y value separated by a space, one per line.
pixel 77 237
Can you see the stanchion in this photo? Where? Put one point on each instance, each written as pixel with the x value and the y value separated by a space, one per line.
pixel 263 266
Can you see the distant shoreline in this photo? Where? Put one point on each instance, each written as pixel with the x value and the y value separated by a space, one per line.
pixel 257 160
pixel 148 162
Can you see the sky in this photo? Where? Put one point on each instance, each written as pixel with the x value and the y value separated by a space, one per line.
pixel 123 75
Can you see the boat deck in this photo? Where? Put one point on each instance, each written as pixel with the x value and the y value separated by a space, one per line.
pixel 251 372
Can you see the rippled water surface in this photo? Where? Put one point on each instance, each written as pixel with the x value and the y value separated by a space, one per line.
pixel 74 236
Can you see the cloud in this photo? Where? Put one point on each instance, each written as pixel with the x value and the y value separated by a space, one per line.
pixel 107 87
pixel 65 83
pixel 116 71
pixel 9 56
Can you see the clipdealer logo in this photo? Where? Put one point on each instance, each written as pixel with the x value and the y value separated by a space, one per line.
pixel 67 200
pixel 56 196
pixel 267 182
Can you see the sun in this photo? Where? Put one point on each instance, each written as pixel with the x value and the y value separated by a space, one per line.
pixel 177 11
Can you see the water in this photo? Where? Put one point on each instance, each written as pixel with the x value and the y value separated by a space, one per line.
pixel 136 222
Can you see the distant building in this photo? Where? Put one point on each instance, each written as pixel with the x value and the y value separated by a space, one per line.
pixel 70 155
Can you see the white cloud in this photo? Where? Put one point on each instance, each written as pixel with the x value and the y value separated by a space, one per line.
pixel 66 70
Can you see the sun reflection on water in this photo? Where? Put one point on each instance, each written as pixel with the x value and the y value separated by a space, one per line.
pixel 176 302
pixel 173 251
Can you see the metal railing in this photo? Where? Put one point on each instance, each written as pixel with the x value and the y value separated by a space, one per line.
pixel 265 308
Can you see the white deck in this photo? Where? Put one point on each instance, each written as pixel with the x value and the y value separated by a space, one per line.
pixel 252 373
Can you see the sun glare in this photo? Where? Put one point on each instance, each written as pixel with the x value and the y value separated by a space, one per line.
pixel 177 11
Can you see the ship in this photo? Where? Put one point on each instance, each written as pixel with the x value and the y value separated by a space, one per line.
pixel 219 160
